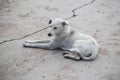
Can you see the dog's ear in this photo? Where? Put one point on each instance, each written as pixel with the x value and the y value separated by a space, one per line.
pixel 50 21
pixel 64 23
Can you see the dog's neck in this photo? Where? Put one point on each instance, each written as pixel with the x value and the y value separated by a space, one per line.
pixel 67 31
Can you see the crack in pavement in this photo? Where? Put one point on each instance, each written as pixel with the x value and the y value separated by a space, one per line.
pixel 73 11
pixel 74 15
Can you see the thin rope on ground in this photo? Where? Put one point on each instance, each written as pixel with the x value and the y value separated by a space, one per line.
pixel 23 36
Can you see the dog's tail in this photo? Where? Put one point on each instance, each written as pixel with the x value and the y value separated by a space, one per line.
pixel 90 57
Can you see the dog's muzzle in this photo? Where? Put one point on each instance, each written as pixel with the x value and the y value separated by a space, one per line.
pixel 49 34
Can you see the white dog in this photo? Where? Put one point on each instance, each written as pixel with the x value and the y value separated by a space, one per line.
pixel 76 45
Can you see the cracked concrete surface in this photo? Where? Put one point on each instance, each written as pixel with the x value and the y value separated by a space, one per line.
pixel 21 20
pixel 74 15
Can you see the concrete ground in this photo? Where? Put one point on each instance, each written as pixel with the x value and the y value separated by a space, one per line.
pixel 20 19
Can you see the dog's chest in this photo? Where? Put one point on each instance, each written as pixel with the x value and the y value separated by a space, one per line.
pixel 66 43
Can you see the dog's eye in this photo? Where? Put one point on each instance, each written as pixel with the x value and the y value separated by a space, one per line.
pixel 55 28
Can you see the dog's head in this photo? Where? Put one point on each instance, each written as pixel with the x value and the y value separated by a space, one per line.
pixel 57 26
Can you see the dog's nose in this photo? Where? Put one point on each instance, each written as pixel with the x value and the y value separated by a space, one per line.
pixel 49 34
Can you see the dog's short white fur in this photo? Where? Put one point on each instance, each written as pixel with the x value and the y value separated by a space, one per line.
pixel 76 45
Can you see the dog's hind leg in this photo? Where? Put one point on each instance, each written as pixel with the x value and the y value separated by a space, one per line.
pixel 71 55
pixel 37 41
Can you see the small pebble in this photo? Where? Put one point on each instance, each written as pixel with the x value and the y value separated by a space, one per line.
pixel 43 76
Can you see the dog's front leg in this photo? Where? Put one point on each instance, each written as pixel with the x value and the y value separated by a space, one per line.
pixel 40 45
pixel 37 41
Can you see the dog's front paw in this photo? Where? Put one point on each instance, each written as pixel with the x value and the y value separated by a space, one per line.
pixel 25 44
